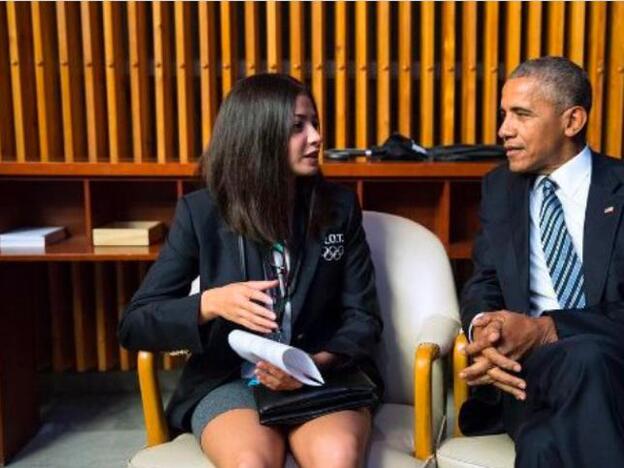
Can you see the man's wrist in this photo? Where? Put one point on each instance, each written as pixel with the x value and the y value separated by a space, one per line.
pixel 548 330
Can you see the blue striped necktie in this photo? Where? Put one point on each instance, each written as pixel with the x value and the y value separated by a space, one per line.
pixel 566 268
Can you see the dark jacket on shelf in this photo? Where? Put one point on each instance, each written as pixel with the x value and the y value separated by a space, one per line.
pixel 334 305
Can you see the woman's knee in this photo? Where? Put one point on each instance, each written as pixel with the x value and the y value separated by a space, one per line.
pixel 337 450
pixel 257 458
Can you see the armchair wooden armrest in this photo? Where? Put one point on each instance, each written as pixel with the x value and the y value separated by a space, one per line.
pixel 426 353
pixel 460 388
pixel 153 412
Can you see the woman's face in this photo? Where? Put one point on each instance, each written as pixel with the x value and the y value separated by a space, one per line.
pixel 305 141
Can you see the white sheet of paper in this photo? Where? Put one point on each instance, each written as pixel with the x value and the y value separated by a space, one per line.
pixel 291 360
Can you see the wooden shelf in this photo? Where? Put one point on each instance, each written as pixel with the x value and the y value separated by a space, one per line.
pixel 122 169
pixel 77 249
pixel 396 169
pixel 357 169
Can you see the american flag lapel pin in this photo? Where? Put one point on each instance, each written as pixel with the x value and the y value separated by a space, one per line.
pixel 609 210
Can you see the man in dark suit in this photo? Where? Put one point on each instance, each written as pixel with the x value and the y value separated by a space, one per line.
pixel 544 310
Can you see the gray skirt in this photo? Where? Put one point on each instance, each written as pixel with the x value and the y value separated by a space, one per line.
pixel 232 395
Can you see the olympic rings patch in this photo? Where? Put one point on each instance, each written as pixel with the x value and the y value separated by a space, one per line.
pixel 332 253
pixel 333 247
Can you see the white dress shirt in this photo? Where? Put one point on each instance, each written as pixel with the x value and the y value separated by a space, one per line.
pixel 572 180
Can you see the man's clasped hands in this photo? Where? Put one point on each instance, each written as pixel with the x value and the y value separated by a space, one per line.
pixel 500 340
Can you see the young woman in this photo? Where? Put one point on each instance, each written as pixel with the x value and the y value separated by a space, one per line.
pixel 266 210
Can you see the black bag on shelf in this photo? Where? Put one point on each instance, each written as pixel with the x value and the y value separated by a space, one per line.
pixel 448 153
pixel 400 148
pixel 341 391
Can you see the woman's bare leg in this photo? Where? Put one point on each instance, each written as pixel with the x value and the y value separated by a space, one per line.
pixel 237 439
pixel 332 441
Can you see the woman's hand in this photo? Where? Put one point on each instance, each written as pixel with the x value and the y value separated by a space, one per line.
pixel 234 302
pixel 275 378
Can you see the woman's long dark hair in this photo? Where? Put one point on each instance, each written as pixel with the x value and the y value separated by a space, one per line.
pixel 246 165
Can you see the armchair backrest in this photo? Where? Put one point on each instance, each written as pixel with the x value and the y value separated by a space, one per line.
pixel 415 285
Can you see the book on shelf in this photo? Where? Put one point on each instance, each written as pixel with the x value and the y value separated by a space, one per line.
pixel 32 237
pixel 294 361
pixel 128 233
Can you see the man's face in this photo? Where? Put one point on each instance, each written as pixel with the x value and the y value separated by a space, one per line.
pixel 533 128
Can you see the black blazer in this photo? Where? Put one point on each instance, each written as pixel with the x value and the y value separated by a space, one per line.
pixel 501 261
pixel 334 305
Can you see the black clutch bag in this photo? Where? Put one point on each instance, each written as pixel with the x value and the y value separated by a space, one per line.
pixel 341 391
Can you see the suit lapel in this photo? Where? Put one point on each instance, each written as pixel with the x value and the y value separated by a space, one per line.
pixel 602 217
pixel 519 201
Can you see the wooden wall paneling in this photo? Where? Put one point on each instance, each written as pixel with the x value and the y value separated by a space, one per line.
pixel 7 130
pixel 252 38
pixel 105 317
pixel 342 119
pixel 427 72
pixel 61 320
pixel 615 82
pixel 208 70
pixel 490 73
pixel 274 36
pixel 43 332
pixel 534 29
pixel 84 316
pixel 185 71
pixel 139 85
pixel 384 72
pixel 88 211
pixel 163 80
pixel 118 122
pixel 576 32
pixel 47 82
pixel 72 92
pixel 513 36
pixel 596 70
pixel 361 73
pixel 443 214
pixel 297 41
pixel 142 268
pixel 405 68
pixel 125 285
pixel 94 81
pixel 556 27
pixel 359 191
pixel 318 61
pixel 19 405
pixel 469 73
pixel 229 58
pixel 23 87
pixel 447 101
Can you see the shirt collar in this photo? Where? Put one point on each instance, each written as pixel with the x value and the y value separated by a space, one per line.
pixel 571 175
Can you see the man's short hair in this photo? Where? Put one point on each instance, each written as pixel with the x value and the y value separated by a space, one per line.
pixel 564 81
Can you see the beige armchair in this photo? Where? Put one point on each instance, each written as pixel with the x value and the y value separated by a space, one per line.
pixel 420 313
pixel 495 451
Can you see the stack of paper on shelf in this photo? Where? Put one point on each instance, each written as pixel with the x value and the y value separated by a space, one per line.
pixel 129 233
pixel 31 237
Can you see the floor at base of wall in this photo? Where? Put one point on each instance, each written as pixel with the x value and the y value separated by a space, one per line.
pixel 90 420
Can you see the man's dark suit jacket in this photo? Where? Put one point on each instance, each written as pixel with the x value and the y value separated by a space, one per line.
pixel 501 260
pixel 334 305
